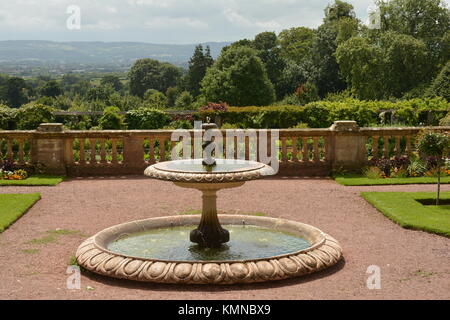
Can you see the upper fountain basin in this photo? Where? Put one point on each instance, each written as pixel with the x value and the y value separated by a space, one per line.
pixel 192 170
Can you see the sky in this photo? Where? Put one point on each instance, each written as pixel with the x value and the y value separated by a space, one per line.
pixel 158 21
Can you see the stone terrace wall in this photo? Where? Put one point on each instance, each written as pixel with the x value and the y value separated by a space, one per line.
pixel 301 152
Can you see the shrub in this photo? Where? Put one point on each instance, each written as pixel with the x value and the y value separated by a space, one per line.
pixel 417 168
pixel 373 173
pixel 147 119
pixel 30 116
pixel 7 116
pixel 112 119
pixel 184 101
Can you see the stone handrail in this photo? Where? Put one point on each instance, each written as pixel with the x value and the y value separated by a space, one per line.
pixel 301 152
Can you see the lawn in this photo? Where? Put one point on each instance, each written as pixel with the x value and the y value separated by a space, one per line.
pixel 36 180
pixel 405 209
pixel 13 206
pixel 360 180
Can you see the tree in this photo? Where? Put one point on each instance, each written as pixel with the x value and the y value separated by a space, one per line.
pixel 239 78
pixel 198 65
pixel 155 99
pixel 338 23
pixel 100 93
pixel 436 145
pixel 266 44
pixel 112 119
pixel 151 74
pixel 171 94
pixel 338 10
pixel 428 20
pixel 30 116
pixel 51 89
pixel 296 43
pixel 16 92
pixel 388 67
pixel 113 81
pixel 441 85
pixel 184 101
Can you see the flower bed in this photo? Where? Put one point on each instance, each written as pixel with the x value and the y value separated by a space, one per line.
pixel 8 171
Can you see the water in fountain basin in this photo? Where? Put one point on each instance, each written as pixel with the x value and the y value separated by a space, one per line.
pixel 247 243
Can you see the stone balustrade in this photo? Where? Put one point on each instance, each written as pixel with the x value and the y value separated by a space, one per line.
pixel 300 152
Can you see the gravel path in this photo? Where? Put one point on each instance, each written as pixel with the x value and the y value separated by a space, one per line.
pixel 414 265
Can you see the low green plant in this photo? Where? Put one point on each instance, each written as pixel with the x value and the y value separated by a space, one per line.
pixel 373 173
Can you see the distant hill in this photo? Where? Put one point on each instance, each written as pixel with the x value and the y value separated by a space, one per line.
pixel 22 54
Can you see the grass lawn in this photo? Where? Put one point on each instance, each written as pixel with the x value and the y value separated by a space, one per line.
pixel 13 206
pixel 404 209
pixel 36 180
pixel 360 180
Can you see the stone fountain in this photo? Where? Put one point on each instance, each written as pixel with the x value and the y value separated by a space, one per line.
pixel 253 249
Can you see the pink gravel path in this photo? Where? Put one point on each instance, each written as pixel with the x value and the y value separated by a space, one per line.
pixel 414 265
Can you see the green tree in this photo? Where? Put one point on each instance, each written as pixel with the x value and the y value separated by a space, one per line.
pixel 391 66
pixel 155 99
pixel 239 78
pixel 151 74
pixel 100 93
pixel 16 92
pixel 31 115
pixel 51 89
pixel 296 43
pixel 441 85
pixel 112 119
pixel 113 81
pixel 184 101
pixel 198 64
pixel 7 116
pixel 427 20
pixel 436 145
pixel 171 94
pixel 266 44
pixel 338 10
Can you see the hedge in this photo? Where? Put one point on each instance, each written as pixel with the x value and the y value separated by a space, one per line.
pixel 322 114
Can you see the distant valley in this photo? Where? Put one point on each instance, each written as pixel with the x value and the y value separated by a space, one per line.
pixel 29 58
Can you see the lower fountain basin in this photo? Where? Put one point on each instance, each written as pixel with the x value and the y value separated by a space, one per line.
pixel 264 249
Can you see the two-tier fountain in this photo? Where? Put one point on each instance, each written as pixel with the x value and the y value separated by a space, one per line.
pixel 174 250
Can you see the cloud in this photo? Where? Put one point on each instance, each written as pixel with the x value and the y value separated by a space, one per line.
pixel 174 21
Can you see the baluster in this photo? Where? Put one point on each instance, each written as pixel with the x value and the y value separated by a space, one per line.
pixel 93 151
pixel 173 146
pixel 9 150
pixel 398 147
pixel 316 150
pixel 82 152
pixel 386 147
pixel 305 150
pixel 114 151
pixel 103 151
pixel 247 148
pixel 1 153
pixel 236 147
pixel 151 152
pixel 21 152
pixel 162 149
pixel 225 146
pixel 284 155
pixel 294 149
pixel 408 150
pixel 375 147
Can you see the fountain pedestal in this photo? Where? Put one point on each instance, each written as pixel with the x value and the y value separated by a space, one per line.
pixel 210 233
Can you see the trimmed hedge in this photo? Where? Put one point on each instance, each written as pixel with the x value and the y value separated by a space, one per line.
pixel 322 114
